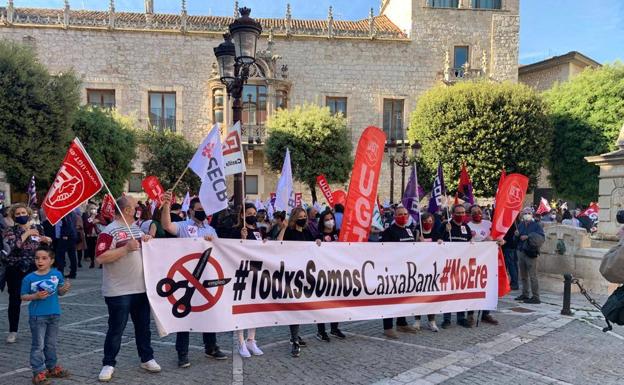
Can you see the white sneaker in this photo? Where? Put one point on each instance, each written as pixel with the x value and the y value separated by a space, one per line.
pixel 11 338
pixel 243 351
pixel 151 366
pixel 106 374
pixel 253 348
pixel 433 326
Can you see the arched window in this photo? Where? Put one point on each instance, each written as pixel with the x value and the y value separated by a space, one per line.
pixel 254 104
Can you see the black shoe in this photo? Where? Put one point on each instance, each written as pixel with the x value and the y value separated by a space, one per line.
pixel 217 354
pixel 445 324
pixel 521 297
pixel 301 342
pixel 295 350
pixel 465 323
pixel 91 266
pixel 338 334
pixel 515 288
pixel 70 276
pixel 80 265
pixel 533 300
pixel 322 337
pixel 183 362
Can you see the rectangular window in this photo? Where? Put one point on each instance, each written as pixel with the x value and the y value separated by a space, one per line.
pixel 487 4
pixel 134 183
pixel 281 99
pixel 254 104
pixel 251 184
pixel 460 58
pixel 444 3
pixel 101 98
pixel 337 105
pixel 162 110
pixel 217 105
pixel 393 119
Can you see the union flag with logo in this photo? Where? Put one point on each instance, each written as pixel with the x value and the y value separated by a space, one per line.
pixel 76 181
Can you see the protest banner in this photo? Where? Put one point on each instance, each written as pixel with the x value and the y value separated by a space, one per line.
pixel 202 286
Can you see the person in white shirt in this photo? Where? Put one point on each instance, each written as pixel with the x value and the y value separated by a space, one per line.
pixel 569 220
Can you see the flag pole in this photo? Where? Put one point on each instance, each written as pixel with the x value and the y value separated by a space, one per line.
pixel 179 179
pixel 117 206
pixel 418 199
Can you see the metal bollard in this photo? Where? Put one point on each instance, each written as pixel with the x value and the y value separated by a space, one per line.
pixel 567 288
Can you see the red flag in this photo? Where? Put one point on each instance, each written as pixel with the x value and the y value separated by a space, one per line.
pixel 509 201
pixel 154 190
pixel 358 214
pixel 298 199
pixel 321 181
pixel 456 200
pixel 544 207
pixel 592 210
pixel 339 197
pixel 108 207
pixel 465 185
pixel 76 181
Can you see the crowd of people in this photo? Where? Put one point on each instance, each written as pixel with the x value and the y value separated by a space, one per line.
pixel 34 254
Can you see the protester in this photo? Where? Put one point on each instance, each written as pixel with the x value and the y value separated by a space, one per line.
pixel 457 231
pixel 313 225
pixel 263 223
pixel 249 231
pixel 195 226
pixel 176 213
pixel 66 236
pixel 428 233
pixel 90 221
pixel 156 229
pixel 81 243
pixel 123 287
pixel 481 229
pixel 42 287
pixel 328 233
pixel 278 219
pixel 21 240
pixel 145 218
pixel 511 258
pixel 296 230
pixel 339 212
pixel 527 257
pixel 569 220
pixel 398 232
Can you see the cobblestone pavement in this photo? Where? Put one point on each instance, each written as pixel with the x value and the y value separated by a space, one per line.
pixel 534 344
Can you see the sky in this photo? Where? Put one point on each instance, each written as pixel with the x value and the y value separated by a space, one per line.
pixel 547 27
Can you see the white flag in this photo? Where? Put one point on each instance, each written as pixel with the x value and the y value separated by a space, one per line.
pixel 259 205
pixel 186 203
pixel 233 151
pixel 207 163
pixel 284 194
pixel 377 221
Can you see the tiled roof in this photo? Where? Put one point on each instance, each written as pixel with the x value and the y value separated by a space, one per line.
pixel 382 26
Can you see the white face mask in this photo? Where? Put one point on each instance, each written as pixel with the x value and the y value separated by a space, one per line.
pixel 329 224
pixel 527 217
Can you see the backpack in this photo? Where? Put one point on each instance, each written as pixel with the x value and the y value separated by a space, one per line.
pixel 533 245
pixel 612 266
pixel 613 308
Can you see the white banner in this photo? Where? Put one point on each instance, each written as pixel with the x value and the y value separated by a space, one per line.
pixel 195 285
pixel 233 151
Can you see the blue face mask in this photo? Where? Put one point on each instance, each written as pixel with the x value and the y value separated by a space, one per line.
pixel 22 219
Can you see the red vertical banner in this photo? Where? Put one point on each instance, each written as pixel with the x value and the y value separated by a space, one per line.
pixel 360 203
pixel 509 199
pixel 321 181
pixel 152 187
pixel 339 197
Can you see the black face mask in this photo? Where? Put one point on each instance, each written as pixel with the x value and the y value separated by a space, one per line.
pixel 22 219
pixel 251 220
pixel 200 215
pixel 302 222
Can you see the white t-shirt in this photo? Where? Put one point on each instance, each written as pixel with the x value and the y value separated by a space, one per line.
pixel 480 230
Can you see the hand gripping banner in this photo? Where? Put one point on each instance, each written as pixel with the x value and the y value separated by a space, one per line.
pixel 195 285
pixel 358 213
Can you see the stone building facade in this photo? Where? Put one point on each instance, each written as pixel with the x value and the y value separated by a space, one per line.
pixel 161 68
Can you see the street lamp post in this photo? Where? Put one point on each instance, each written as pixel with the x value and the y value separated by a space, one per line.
pixel 403 162
pixel 234 56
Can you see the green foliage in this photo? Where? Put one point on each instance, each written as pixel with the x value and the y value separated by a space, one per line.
pixel 36 114
pixel 166 155
pixel 111 142
pixel 587 113
pixel 319 143
pixel 487 125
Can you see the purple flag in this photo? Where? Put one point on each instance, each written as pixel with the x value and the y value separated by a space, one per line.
pixel 412 195
pixel 32 193
pixel 438 192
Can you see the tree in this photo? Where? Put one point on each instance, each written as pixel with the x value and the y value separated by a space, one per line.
pixel 166 156
pixel 36 113
pixel 110 141
pixel 587 113
pixel 487 125
pixel 318 141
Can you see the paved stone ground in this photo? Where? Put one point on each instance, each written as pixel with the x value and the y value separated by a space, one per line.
pixel 533 345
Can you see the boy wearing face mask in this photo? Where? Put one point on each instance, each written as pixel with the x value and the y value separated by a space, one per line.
pixel 398 232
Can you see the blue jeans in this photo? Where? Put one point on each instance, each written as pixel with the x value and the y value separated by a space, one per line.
pixel 119 308
pixel 44 330
pixel 511 261
pixel 66 246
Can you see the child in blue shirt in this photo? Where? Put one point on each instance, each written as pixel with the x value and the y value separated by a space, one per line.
pixel 42 287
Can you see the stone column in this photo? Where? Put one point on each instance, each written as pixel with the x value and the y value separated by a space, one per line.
pixel 610 188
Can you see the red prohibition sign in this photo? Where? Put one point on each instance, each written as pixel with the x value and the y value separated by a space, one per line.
pixel 179 267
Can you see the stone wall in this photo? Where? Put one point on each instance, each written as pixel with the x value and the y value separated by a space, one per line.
pixel 543 80
pixel 364 70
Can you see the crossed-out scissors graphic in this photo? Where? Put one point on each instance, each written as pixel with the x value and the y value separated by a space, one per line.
pixel 167 287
